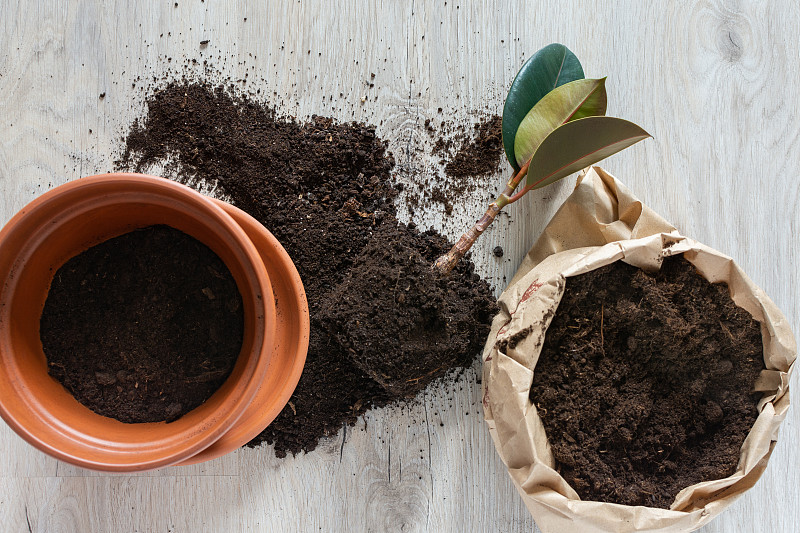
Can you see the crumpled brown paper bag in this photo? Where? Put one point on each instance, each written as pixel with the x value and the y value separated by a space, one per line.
pixel 602 222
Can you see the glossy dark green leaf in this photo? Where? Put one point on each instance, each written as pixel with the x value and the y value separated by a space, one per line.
pixel 550 67
pixel 573 100
pixel 578 144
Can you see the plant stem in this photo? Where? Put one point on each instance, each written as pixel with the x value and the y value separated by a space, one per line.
pixel 448 261
pixel 522 192
pixel 519 194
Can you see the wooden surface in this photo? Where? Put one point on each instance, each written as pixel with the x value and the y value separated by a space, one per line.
pixel 714 81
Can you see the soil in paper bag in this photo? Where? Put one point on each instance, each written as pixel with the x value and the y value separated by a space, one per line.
pixel 645 383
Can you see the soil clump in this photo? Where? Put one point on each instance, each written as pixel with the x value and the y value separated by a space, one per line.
pixel 401 324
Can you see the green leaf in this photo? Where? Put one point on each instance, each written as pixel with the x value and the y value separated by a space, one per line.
pixel 573 100
pixel 578 144
pixel 550 67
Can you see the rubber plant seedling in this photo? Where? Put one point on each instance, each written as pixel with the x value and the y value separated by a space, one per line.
pixel 554 124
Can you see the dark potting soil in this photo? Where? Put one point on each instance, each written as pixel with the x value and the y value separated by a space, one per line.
pixel 143 327
pixel 323 189
pixel 402 325
pixel 645 383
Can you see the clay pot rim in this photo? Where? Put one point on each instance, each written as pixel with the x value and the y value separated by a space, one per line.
pixel 230 409
pixel 290 349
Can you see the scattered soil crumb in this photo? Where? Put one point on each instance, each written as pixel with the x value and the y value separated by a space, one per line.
pixel 470 157
pixel 480 155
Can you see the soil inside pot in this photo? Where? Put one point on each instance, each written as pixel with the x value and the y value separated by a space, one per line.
pixel 645 383
pixel 143 327
pixel 325 190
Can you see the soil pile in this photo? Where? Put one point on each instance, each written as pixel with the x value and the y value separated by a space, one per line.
pixel 143 327
pixel 323 189
pixel 645 383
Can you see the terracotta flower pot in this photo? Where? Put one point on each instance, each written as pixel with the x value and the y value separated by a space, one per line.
pixel 69 219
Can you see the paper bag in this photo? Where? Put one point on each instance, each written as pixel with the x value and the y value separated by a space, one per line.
pixel 602 222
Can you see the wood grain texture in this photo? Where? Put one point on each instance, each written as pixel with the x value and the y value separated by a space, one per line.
pixel 714 81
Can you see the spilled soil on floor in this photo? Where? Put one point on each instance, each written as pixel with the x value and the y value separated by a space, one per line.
pixel 325 190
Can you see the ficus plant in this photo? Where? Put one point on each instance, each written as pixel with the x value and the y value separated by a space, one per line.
pixel 554 124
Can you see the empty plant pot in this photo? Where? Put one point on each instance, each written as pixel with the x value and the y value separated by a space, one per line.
pixel 74 217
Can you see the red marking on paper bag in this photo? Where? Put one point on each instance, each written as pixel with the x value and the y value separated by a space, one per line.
pixel 532 288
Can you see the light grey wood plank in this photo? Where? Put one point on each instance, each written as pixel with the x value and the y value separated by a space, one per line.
pixel 712 80
pixel 19 461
